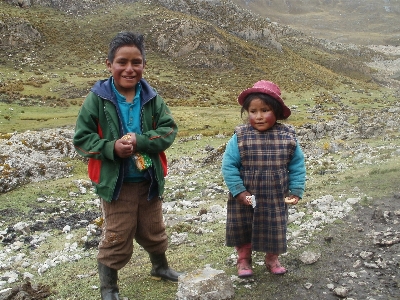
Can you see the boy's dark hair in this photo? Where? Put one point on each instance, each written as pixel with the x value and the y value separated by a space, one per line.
pixel 126 38
pixel 267 99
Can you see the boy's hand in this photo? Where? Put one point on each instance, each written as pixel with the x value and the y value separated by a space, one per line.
pixel 242 198
pixel 125 146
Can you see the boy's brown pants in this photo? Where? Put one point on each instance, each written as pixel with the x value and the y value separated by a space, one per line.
pixel 130 217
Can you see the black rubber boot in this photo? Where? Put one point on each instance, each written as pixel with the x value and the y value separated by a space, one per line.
pixel 108 282
pixel 160 268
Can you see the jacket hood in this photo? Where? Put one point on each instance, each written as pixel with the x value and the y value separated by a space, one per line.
pixel 103 89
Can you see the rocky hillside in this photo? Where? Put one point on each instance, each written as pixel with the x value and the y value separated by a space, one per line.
pixel 346 21
pixel 209 35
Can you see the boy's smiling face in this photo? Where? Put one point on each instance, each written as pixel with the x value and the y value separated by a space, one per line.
pixel 126 69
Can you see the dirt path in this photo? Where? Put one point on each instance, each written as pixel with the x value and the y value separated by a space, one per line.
pixel 359 258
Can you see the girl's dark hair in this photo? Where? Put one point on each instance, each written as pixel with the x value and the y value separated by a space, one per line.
pixel 126 38
pixel 267 99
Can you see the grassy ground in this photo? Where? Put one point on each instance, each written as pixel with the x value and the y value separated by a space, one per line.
pixel 48 93
pixel 200 250
pixel 363 180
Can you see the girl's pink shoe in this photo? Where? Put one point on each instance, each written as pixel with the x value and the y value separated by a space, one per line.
pixel 276 269
pixel 273 265
pixel 244 260
pixel 244 270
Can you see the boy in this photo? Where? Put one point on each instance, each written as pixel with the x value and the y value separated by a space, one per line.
pixel 122 116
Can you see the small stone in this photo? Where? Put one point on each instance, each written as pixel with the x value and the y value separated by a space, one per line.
pixel 308 285
pixel 330 286
pixel 366 254
pixel 341 292
pixel 357 264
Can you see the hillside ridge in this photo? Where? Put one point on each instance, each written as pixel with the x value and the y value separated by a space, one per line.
pixel 230 37
pixel 346 21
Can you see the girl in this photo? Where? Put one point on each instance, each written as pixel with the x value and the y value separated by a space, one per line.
pixel 263 159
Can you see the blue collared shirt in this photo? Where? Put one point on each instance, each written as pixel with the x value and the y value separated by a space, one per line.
pixel 131 123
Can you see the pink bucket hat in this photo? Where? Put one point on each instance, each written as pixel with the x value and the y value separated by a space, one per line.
pixel 269 88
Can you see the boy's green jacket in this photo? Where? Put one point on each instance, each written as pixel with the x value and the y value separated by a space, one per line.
pixel 99 125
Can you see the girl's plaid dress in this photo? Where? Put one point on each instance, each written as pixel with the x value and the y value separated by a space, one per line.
pixel 264 157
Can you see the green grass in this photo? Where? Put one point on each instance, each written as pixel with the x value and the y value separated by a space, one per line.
pixel 16 118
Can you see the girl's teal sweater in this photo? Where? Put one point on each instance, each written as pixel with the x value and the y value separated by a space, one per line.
pixel 231 170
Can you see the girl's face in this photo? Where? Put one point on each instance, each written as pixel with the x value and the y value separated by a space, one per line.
pixel 126 68
pixel 261 116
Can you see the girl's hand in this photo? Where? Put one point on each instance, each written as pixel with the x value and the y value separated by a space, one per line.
pixel 292 199
pixel 242 198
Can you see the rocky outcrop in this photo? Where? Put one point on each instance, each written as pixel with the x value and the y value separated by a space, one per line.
pixel 74 7
pixel 17 32
pixel 34 156
pixel 20 3
pixel 225 14
pixel 179 39
pixel 387 61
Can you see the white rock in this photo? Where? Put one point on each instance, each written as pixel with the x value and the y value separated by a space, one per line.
pixel 308 285
pixel 28 275
pixel 66 229
pixel 309 257
pixel 330 286
pixel 341 292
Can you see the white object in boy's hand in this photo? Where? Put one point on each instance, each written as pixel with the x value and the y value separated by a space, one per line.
pixel 252 200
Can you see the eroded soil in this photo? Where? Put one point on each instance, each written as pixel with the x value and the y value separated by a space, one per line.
pixel 359 258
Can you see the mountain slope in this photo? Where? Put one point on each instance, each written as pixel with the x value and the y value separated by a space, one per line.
pixel 187 44
pixel 346 21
